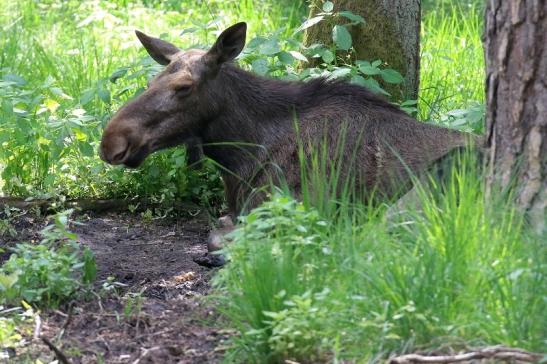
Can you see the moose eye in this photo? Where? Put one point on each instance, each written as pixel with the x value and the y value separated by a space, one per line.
pixel 183 90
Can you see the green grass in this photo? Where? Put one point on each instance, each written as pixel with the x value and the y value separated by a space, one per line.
pixel 328 284
pixel 452 63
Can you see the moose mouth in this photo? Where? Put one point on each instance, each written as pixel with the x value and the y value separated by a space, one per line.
pixel 134 160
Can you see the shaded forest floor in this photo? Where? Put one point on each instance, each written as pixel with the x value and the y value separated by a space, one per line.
pixel 148 305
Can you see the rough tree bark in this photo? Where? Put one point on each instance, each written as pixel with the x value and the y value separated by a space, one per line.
pixel 516 90
pixel 391 33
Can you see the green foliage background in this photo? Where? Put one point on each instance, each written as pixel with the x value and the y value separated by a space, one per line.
pixel 67 66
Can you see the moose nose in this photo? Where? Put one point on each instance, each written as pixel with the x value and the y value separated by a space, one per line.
pixel 115 152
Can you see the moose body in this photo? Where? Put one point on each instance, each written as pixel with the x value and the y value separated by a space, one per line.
pixel 253 126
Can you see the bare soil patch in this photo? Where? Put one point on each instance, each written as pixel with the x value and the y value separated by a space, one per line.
pixel 157 315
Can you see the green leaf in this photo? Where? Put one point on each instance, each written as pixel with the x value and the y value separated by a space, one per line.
pixel 391 76
pixel 341 73
pixel 409 102
pixel 351 16
pixel 90 267
pixel 18 80
pixel 119 73
pixel 285 58
pixel 260 66
pixel 87 150
pixel 341 37
pixel 367 69
pixel 255 42
pixel 269 48
pixel 327 56
pixel 328 6
pixel 374 86
pixel 358 80
pixel 308 23
pixel 188 30
pixel 299 56
pixel 104 95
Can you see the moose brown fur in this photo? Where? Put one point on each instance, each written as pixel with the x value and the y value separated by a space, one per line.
pixel 252 126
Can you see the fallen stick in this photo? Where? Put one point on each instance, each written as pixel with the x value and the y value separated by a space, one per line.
pixel 68 319
pixel 37 327
pixel 58 353
pixel 491 352
pixel 87 204
pixel 82 204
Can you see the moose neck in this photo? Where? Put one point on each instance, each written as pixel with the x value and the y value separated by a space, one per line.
pixel 252 114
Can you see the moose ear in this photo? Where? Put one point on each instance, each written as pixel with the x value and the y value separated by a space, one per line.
pixel 160 50
pixel 229 43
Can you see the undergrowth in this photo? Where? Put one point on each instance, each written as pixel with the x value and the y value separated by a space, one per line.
pixel 315 283
pixel 49 273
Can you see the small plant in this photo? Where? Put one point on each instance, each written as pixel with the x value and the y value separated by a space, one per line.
pixel 297 330
pixel 133 306
pixel 6 219
pixel 50 272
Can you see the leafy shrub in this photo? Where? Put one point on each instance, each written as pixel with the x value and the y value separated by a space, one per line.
pixel 50 272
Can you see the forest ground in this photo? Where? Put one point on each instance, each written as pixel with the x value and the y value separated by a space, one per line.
pixel 156 313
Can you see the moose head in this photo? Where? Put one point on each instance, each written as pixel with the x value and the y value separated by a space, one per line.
pixel 177 103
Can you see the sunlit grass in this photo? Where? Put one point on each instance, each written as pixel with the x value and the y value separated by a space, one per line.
pixel 452 62
pixel 315 284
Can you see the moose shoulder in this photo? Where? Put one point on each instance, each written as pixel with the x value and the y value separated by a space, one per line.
pixel 253 126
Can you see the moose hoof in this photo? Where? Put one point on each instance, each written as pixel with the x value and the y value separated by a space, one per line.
pixel 210 260
pixel 217 237
pixel 216 241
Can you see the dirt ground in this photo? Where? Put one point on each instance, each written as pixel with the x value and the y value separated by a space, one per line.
pixel 157 312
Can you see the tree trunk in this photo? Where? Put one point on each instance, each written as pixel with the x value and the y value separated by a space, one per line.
pixel 516 90
pixel 391 33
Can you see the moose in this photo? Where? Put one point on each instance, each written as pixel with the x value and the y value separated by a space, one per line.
pixel 253 126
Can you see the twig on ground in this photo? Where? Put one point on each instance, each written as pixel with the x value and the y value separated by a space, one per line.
pixel 67 321
pixel 491 352
pixel 145 353
pixel 152 334
pixel 60 313
pixel 58 353
pixel 99 301
pixel 37 327
pixel 86 204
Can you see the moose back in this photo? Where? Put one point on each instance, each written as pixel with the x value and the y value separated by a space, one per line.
pixel 253 126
